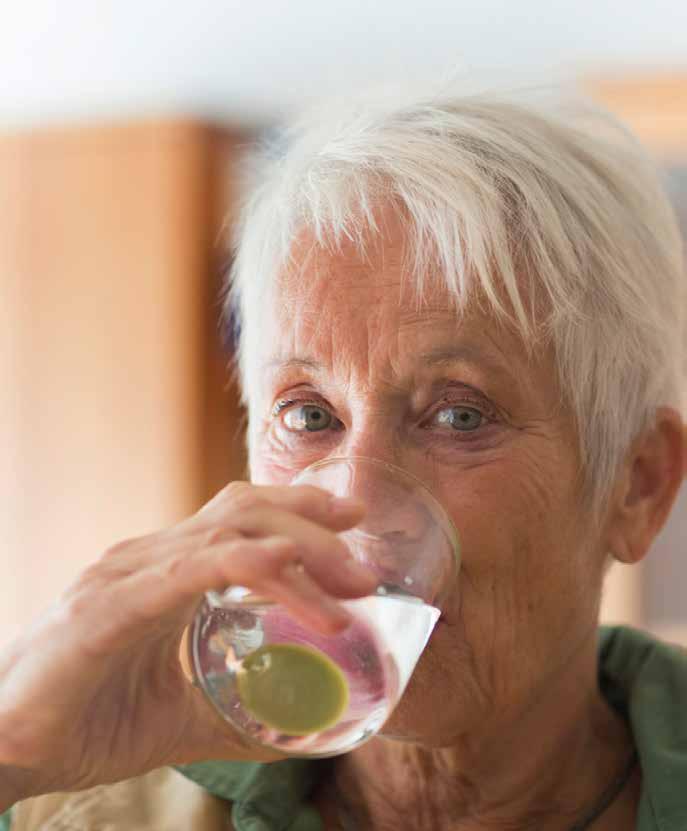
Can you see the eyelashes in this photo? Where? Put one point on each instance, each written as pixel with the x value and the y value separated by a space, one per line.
pixel 462 416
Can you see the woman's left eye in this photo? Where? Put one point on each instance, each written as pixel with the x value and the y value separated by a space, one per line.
pixel 307 418
pixel 462 418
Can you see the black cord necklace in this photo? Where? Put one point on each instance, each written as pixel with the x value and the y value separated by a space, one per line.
pixel 609 796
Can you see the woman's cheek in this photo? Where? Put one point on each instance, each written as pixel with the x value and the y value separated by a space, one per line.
pixel 276 459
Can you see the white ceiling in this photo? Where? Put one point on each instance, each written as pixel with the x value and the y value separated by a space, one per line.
pixel 252 59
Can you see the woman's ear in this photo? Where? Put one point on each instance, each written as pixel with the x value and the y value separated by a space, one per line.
pixel 647 486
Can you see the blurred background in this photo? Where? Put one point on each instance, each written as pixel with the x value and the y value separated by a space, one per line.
pixel 121 127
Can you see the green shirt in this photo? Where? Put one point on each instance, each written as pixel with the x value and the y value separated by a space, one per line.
pixel 644 679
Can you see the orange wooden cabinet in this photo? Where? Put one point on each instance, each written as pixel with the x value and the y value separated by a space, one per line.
pixel 116 416
pixel 653 106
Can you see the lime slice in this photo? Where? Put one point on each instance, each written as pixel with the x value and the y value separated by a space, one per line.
pixel 293 688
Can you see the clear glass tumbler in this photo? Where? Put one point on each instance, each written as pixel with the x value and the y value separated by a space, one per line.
pixel 308 694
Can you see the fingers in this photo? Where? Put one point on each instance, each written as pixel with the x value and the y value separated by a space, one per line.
pixel 296 591
pixel 307 515
pixel 307 501
pixel 247 535
pixel 325 556
pixel 267 566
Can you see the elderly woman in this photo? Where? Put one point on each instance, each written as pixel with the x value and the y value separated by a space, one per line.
pixel 489 294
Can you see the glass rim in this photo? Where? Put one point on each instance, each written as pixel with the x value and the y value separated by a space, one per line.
pixel 450 528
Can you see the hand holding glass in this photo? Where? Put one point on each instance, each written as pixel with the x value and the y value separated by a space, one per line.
pixel 309 694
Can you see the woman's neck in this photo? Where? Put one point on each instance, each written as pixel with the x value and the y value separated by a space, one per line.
pixel 544 770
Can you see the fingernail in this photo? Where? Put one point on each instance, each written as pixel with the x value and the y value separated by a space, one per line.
pixel 345 505
pixel 359 573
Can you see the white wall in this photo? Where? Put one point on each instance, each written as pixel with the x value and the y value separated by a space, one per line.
pixel 252 58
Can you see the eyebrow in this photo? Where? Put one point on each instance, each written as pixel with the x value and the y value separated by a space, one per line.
pixel 441 356
pixel 291 363
pixel 453 354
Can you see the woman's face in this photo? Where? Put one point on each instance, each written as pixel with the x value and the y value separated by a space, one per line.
pixel 456 402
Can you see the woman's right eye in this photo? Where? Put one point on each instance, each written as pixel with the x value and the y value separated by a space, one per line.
pixel 307 418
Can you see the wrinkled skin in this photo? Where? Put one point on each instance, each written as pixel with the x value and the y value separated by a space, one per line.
pixel 510 485
pixel 502 720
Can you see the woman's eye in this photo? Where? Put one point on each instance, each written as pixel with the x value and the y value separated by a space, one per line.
pixel 307 417
pixel 465 419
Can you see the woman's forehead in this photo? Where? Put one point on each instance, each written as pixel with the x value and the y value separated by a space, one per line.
pixel 374 331
pixel 360 302
pixel 347 313
pixel 377 270
pixel 373 294
pixel 345 279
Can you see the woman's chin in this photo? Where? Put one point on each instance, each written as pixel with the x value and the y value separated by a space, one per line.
pixel 424 715
pixel 413 721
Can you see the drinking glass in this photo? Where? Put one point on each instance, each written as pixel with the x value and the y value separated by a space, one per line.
pixel 307 694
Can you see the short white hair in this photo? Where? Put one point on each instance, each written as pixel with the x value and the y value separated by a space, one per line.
pixel 549 205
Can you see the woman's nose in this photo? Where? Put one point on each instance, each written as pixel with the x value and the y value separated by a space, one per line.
pixel 388 488
pixel 399 537
pixel 394 515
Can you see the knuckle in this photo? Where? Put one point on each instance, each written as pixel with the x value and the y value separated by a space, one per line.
pixel 268 559
pixel 312 495
pixel 277 558
pixel 93 573
pixel 215 535
pixel 175 566
pixel 241 495
pixel 255 517
pixel 116 549
pixel 76 605
pixel 93 578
